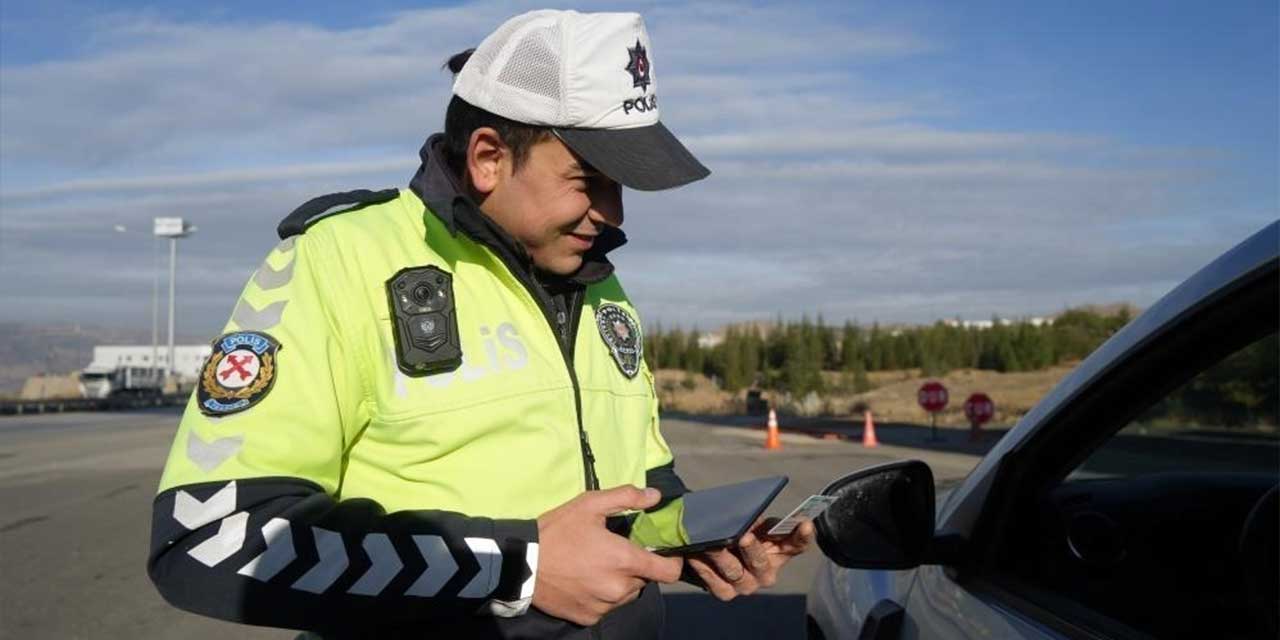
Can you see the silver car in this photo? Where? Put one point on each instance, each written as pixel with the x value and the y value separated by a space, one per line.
pixel 1138 499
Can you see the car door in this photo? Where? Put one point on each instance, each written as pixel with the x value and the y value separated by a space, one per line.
pixel 1099 520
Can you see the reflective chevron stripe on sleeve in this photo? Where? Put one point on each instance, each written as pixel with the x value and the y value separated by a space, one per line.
pixel 333 560
pixel 489 556
pixel 290 536
pixel 440 566
pixel 223 545
pixel 513 608
pixel 384 566
pixel 279 553
pixel 330 566
pixel 193 513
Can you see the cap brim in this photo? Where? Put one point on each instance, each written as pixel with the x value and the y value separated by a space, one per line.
pixel 643 158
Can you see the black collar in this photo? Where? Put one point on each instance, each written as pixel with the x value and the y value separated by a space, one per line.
pixel 438 188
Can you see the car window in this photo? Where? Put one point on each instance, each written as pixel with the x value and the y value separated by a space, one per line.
pixel 1151 529
pixel 1223 419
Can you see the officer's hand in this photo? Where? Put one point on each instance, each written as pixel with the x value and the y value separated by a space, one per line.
pixel 753 563
pixel 585 570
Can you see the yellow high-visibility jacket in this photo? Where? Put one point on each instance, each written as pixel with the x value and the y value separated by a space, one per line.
pixel 318 482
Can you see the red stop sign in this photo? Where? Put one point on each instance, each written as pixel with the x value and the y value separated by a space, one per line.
pixel 979 408
pixel 932 396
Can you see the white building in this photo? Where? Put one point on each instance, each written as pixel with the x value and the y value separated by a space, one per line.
pixel 1034 321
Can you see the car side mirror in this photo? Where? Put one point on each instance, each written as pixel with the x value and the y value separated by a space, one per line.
pixel 882 518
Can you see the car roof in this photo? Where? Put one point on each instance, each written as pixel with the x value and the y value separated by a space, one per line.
pixel 1238 263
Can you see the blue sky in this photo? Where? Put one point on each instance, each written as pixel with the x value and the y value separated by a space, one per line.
pixel 898 162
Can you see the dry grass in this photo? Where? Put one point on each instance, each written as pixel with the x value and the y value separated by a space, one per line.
pixel 893 399
pixel 680 391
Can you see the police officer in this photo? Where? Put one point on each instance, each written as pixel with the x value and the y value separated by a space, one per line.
pixel 428 401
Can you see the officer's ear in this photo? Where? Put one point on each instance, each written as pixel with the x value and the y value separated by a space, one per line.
pixel 488 160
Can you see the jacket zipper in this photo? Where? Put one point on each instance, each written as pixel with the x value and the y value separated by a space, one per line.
pixel 575 314
pixel 569 334
pixel 565 332
pixel 484 231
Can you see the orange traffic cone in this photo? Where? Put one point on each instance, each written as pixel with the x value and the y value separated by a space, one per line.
pixel 869 431
pixel 771 441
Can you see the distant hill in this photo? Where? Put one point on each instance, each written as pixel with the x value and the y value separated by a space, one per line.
pixel 32 349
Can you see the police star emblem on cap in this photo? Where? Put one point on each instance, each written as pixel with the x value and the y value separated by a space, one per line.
pixel 639 66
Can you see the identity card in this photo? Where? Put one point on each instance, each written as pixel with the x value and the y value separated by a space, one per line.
pixel 812 507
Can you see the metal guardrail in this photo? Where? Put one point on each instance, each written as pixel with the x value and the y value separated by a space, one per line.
pixel 61 405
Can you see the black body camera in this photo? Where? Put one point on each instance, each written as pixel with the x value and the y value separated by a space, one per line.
pixel 425 321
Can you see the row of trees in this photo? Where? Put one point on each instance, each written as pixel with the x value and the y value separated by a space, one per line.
pixel 1243 389
pixel 790 356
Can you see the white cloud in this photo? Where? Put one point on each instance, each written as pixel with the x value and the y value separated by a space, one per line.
pixel 224 179
pixel 789 37
pixel 894 140
pixel 832 190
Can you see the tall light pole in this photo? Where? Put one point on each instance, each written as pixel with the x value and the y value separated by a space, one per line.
pixel 154 370
pixel 172 228
pixel 155 314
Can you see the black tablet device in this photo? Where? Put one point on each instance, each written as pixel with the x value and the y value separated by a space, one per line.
pixel 707 519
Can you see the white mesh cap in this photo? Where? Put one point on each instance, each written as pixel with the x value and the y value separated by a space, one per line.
pixel 590 77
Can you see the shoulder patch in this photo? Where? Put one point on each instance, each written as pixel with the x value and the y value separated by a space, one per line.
pixel 621 333
pixel 317 209
pixel 238 374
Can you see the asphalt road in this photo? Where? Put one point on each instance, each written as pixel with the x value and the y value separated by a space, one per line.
pixel 75 504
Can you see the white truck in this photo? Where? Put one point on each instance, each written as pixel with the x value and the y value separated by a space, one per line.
pixel 121 381
pixel 136 371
